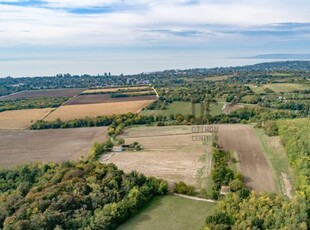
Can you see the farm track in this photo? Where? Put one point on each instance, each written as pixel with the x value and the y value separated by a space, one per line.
pixel 46 115
pixel 195 198
pixel 157 95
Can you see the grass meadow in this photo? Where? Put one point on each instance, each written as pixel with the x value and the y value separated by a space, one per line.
pixel 170 213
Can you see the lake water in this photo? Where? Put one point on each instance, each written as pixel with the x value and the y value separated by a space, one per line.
pixel 115 65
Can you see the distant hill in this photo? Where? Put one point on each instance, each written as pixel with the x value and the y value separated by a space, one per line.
pixel 281 65
pixel 282 56
pixel 261 67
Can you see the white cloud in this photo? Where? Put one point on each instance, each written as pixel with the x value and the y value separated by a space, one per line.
pixel 136 22
pixel 81 3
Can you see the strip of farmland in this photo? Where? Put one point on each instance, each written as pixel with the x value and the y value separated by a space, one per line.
pixel 105 98
pixel 71 112
pixel 43 93
pixel 254 166
pixel 117 89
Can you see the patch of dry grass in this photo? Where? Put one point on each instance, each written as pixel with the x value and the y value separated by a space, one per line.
pixel 21 119
pixel 168 152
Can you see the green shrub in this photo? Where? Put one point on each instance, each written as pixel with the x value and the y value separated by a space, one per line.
pixel 182 188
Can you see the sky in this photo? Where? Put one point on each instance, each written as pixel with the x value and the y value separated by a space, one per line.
pixel 47 37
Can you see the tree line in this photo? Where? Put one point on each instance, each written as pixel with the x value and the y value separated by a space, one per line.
pixel 244 115
pixel 32 103
pixel 223 175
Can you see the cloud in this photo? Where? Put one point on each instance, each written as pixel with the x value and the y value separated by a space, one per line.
pixel 150 22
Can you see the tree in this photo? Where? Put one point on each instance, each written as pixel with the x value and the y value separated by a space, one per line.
pixel 182 188
pixel 236 185
pixel 271 128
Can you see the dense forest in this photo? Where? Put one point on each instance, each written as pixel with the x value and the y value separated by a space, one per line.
pixel 260 211
pixel 72 195
pixel 295 135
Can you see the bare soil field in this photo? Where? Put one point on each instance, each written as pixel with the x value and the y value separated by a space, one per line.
pixel 168 152
pixel 71 112
pixel 24 146
pixel 43 93
pixel 21 119
pixel 253 164
pixel 107 90
pixel 104 98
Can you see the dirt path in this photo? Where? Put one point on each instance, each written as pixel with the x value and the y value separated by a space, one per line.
pixel 229 107
pixel 287 187
pixel 107 157
pixel 195 198
pixel 157 95
pixel 253 164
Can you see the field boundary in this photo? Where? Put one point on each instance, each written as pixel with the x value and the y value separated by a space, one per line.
pixel 46 115
pixel 70 99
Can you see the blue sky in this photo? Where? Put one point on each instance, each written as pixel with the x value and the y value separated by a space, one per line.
pixel 46 37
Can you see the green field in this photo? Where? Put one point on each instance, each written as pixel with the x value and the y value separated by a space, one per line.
pixel 216 108
pixel 277 159
pixel 184 108
pixel 170 213
pixel 278 87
